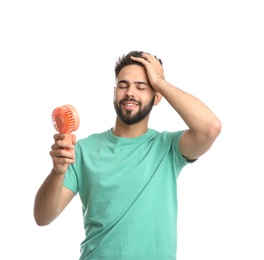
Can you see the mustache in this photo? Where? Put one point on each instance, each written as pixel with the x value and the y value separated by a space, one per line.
pixel 130 99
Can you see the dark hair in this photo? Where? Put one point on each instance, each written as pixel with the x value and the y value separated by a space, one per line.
pixel 125 60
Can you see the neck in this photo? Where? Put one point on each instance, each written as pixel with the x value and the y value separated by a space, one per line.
pixel 130 131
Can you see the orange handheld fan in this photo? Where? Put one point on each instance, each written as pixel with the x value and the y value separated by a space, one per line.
pixel 66 120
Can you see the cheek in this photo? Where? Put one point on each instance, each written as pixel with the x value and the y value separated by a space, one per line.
pixel 118 95
pixel 148 97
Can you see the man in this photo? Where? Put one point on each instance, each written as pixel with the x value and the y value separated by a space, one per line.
pixel 126 177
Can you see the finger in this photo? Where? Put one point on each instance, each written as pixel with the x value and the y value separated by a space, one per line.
pixel 146 56
pixel 64 144
pixel 142 60
pixel 151 58
pixel 61 144
pixel 57 154
pixel 57 137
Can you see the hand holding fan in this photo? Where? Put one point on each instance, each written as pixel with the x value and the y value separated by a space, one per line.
pixel 66 120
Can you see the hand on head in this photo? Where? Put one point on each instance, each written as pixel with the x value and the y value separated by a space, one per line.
pixel 153 67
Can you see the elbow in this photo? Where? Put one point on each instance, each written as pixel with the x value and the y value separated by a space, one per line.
pixel 41 220
pixel 214 129
pixel 41 223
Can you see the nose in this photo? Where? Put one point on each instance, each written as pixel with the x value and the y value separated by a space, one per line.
pixel 130 91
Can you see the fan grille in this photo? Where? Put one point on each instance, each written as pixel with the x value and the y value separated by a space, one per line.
pixel 64 120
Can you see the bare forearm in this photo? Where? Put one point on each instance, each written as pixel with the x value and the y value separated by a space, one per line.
pixel 48 199
pixel 197 116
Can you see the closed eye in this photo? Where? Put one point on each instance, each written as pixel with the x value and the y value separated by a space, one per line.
pixel 140 85
pixel 122 86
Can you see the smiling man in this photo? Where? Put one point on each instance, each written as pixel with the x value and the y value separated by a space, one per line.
pixel 130 110
pixel 126 177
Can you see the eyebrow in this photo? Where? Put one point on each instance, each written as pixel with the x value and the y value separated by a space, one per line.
pixel 135 82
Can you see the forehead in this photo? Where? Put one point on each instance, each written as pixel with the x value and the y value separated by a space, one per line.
pixel 132 73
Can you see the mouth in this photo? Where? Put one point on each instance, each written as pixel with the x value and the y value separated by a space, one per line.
pixel 129 104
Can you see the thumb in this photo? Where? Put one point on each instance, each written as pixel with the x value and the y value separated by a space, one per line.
pixel 73 139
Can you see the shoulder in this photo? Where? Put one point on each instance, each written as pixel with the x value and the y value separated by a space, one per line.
pixel 170 136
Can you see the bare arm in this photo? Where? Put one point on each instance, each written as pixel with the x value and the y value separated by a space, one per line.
pixel 204 126
pixel 52 197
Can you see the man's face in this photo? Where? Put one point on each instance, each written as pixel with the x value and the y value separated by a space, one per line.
pixel 134 97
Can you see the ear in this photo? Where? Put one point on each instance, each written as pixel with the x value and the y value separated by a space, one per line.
pixel 114 92
pixel 158 97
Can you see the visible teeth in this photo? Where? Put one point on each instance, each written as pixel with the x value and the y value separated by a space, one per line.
pixel 130 105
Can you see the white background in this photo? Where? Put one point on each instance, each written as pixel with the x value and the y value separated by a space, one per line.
pixel 58 52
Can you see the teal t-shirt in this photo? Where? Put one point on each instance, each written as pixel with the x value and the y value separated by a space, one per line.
pixel 128 190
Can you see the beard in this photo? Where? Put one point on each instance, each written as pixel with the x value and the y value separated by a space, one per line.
pixel 126 116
